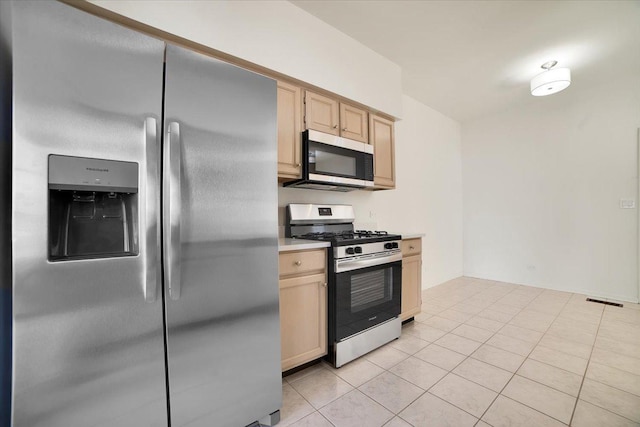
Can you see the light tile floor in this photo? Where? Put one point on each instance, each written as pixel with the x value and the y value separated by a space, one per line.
pixel 485 353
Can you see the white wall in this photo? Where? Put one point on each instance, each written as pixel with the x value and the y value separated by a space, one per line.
pixel 428 197
pixel 284 38
pixel 281 37
pixel 542 186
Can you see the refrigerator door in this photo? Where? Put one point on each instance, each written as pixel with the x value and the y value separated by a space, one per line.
pixel 220 240
pixel 88 346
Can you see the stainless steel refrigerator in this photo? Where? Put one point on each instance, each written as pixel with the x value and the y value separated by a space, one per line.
pixel 143 228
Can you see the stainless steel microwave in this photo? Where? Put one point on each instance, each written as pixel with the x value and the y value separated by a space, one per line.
pixel 332 163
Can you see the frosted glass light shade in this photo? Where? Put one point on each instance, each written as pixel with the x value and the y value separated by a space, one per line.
pixel 550 82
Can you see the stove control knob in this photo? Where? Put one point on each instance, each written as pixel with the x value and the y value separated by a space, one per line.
pixel 389 246
pixel 395 245
pixel 358 250
pixel 350 251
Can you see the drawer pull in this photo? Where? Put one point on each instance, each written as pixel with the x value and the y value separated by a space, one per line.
pixel 411 248
pixel 298 263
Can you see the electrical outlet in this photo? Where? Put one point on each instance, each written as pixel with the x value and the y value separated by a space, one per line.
pixel 627 204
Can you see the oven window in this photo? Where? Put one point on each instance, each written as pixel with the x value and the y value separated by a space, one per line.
pixel 362 298
pixel 370 289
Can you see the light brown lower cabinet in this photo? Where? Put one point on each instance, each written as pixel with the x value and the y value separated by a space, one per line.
pixel 411 278
pixel 303 306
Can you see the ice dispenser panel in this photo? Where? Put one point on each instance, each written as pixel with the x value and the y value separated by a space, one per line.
pixel 93 208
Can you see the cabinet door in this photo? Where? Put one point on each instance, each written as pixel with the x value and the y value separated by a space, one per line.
pixel 383 151
pixel 303 319
pixel 354 123
pixel 411 287
pixel 321 113
pixel 289 130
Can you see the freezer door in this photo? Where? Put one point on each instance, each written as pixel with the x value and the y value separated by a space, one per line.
pixel 220 242
pixel 88 345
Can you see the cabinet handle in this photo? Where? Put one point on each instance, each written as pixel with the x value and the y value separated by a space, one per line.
pixel 297 165
pixel 335 126
pixel 298 263
pixel 411 248
pixel 344 129
pixel 324 285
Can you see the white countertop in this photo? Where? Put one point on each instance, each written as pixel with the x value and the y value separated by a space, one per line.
pixel 287 244
pixel 411 235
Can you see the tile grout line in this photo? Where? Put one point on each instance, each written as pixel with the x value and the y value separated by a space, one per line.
pixel 556 317
pixel 525 358
pixel 600 382
pixel 548 364
pixel 469 356
pixel 397 414
pixel 310 413
pixel 586 369
pixel 450 371
pixel 385 370
pixel 469 300
pixel 321 366
pixel 433 385
pixel 516 371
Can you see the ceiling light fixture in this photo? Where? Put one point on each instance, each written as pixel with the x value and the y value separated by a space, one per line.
pixel 551 81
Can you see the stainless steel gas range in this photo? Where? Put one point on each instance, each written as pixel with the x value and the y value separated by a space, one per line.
pixel 365 274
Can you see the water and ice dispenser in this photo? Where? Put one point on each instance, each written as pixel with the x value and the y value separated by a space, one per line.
pixel 93 208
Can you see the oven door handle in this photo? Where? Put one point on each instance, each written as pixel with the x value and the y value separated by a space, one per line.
pixel 349 265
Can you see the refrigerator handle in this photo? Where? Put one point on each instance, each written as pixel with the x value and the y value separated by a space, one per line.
pixel 152 233
pixel 171 209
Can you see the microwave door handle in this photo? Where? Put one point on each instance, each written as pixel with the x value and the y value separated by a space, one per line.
pixel 171 206
pixel 150 262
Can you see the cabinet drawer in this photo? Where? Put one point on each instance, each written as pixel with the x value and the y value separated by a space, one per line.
pixel 300 262
pixel 411 247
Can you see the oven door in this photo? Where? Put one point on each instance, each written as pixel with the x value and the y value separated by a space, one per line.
pixel 365 297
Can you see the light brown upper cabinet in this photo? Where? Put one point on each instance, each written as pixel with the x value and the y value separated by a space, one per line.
pixel 328 115
pixel 289 131
pixel 354 123
pixel 322 113
pixel 382 139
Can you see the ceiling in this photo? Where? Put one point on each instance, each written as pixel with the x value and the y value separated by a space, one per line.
pixel 469 58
